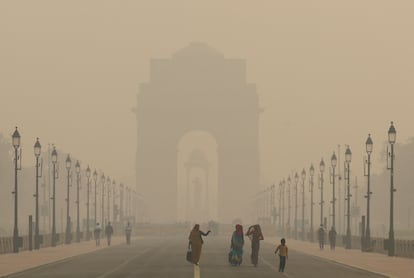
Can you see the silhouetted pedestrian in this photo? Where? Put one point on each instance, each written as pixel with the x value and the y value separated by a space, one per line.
pixel 108 232
pixel 321 237
pixel 97 234
pixel 332 238
pixel 128 231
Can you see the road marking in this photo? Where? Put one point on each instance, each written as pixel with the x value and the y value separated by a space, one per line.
pixel 274 268
pixel 196 271
pixel 123 264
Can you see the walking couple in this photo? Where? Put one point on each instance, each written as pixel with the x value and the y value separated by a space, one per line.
pixel 237 241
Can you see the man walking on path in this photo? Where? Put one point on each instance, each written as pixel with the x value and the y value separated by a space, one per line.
pixel 128 231
pixel 321 237
pixel 97 234
pixel 108 232
pixel 332 238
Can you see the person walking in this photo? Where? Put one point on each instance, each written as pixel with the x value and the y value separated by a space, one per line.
pixel 321 237
pixel 128 231
pixel 283 254
pixel 332 238
pixel 97 234
pixel 108 232
pixel 255 234
pixel 196 242
pixel 237 242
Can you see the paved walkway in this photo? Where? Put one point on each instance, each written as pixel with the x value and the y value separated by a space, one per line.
pixel 393 267
pixel 17 262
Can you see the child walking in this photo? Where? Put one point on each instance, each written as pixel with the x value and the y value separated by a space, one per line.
pixel 283 254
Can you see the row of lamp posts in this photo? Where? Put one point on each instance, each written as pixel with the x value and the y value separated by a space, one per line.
pixel 348 157
pixel 17 240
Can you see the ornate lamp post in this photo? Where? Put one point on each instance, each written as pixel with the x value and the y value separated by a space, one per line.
pixel 369 148
pixel 348 156
pixel 334 161
pixel 272 202
pixel 113 201
pixel 17 167
pixel 311 173
pixel 88 176
pixel 95 179
pixel 296 205
pixel 37 152
pixel 55 176
pixel 392 134
pixel 68 234
pixel 322 169
pixel 121 202
pixel 289 204
pixel 280 205
pixel 283 203
pixel 77 168
pixel 108 184
pixel 103 199
pixel 303 175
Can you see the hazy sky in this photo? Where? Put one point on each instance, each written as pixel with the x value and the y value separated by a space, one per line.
pixel 327 72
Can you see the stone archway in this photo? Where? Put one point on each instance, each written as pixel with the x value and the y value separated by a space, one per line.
pixel 198 88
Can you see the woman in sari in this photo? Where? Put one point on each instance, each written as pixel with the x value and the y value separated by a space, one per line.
pixel 255 235
pixel 196 242
pixel 237 242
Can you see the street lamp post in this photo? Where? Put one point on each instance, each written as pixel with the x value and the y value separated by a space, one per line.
pixel 68 235
pixel 296 206
pixel 369 148
pixel 88 176
pixel 108 183
pixel 272 202
pixel 17 167
pixel 348 156
pixel 37 152
pixel 280 205
pixel 55 176
pixel 311 173
pixel 334 161
pixel 121 202
pixel 95 179
pixel 103 199
pixel 322 169
pixel 289 204
pixel 77 167
pixel 391 140
pixel 303 174
pixel 113 201
pixel 283 203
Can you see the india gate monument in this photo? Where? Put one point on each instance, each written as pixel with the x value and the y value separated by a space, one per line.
pixel 197 156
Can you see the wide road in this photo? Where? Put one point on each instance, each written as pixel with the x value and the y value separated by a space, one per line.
pixel 165 257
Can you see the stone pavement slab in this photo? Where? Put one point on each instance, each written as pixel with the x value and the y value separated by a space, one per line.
pixel 17 262
pixel 393 267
